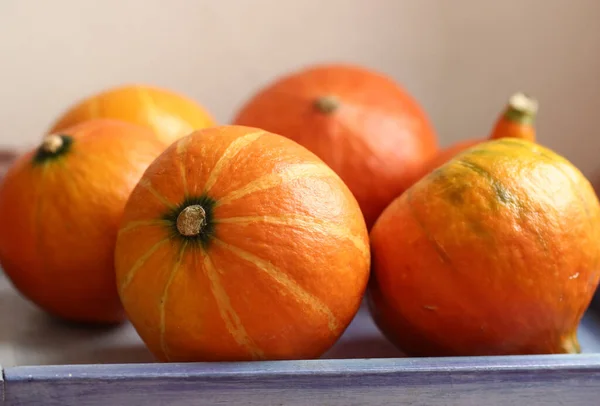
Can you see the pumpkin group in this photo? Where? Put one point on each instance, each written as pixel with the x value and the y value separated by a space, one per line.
pixel 239 244
pixel 60 208
pixel 494 253
pixel 168 114
pixel 362 124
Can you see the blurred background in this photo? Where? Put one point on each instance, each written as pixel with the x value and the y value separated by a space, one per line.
pixel 460 58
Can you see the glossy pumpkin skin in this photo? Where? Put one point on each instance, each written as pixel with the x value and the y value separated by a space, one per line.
pixel 59 215
pixel 170 115
pixel 278 269
pixel 361 123
pixel 446 155
pixel 494 253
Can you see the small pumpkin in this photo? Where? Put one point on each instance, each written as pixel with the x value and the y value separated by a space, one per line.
pixel 169 114
pixel 494 253
pixel 239 244
pixel 362 124
pixel 517 120
pixel 60 208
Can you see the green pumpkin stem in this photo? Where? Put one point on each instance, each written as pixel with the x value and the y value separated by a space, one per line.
pixel 521 109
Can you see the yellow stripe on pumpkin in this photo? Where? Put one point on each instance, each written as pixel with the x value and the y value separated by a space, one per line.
pixel 163 300
pixel 288 283
pixel 325 227
pixel 293 172
pixel 232 150
pixel 228 314
pixel 140 262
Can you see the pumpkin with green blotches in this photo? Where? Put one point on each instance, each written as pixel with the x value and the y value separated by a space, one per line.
pixel 494 253
pixel 239 244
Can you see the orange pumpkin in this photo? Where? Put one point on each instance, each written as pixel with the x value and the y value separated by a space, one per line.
pixel 239 244
pixel 494 253
pixel 362 124
pixel 516 121
pixel 60 208
pixel 170 115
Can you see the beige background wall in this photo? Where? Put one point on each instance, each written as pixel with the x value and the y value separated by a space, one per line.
pixel 460 58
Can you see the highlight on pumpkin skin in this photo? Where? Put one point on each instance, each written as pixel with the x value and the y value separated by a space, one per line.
pixel 301 220
pixel 203 231
pixel 232 150
pixel 169 114
pixel 293 172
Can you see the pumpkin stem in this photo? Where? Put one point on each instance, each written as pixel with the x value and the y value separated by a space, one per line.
pixel 521 108
pixel 52 143
pixel 327 104
pixel 191 220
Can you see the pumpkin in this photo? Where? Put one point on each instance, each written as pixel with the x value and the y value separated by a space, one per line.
pixel 517 120
pixel 60 208
pixel 494 253
pixel 239 244
pixel 170 115
pixel 367 128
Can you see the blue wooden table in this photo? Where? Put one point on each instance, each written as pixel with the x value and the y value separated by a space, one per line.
pixel 113 368
pixel 538 380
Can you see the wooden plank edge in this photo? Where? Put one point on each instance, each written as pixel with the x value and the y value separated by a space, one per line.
pixel 1 385
pixel 535 380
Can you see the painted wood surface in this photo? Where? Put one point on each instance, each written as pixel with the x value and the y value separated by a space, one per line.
pixel 1 385
pixel 485 381
pixel 113 368
pixel 30 337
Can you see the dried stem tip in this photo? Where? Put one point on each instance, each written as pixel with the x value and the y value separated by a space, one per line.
pixel 327 104
pixel 522 103
pixel 191 220
pixel 52 143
